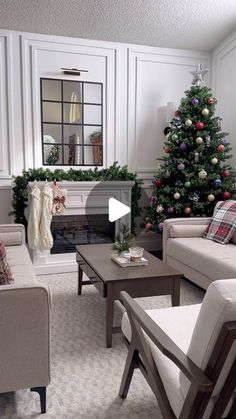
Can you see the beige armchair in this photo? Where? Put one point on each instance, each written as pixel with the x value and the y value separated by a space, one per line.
pixel 187 354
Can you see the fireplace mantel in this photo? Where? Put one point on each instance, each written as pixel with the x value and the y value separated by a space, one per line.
pixel 85 197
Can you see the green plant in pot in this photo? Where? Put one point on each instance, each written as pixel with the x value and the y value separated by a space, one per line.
pixel 123 240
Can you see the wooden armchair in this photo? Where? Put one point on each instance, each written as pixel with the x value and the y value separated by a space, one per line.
pixel 187 354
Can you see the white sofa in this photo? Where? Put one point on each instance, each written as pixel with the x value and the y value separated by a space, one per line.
pixel 199 259
pixel 24 321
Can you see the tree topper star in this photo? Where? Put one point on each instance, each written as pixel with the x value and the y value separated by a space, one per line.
pixel 198 75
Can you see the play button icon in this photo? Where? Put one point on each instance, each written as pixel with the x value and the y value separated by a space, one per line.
pixel 117 209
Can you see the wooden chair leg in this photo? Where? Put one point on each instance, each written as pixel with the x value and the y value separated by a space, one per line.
pixel 130 365
pixel 42 394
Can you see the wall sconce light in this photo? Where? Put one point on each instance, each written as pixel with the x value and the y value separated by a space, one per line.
pixel 73 71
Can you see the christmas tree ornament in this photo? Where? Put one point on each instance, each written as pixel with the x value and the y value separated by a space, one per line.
pixel 183 146
pixel 208 140
pixel 194 101
pixel 205 112
pixel 187 184
pixel 226 195
pixel 160 226
pixel 187 210
pixel 167 130
pixel 198 75
pixel 177 112
pixel 225 173
pixel 195 197
pixel 188 122
pixel 211 100
pixel 167 174
pixel 214 160
pixel 199 140
pixel 174 137
pixel 181 166
pixel 224 141
pixel 153 199
pixel 153 180
pixel 168 135
pixel 159 209
pixel 170 210
pixel 211 197
pixel 166 149
pixel 217 183
pixel 199 125
pixel 158 183
pixel 196 157
pixel 176 195
pixel 148 226
pixel 202 174
pixel 221 148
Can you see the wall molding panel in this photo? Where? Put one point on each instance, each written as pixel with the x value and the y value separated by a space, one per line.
pixel 150 87
pixel 6 121
pixel 94 57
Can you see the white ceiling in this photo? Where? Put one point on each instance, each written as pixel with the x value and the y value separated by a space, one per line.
pixel 188 24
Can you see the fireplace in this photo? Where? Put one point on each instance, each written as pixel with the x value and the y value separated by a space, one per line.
pixel 70 230
pixel 85 219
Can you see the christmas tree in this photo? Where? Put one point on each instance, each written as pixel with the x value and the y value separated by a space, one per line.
pixel 193 174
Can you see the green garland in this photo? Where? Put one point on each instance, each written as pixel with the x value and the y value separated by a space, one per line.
pixel 114 172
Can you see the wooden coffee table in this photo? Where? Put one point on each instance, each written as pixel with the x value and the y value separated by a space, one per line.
pixel 157 278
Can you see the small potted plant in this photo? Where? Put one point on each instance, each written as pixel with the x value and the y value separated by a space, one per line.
pixel 123 240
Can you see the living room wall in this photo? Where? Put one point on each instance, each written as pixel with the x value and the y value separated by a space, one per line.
pixel 138 83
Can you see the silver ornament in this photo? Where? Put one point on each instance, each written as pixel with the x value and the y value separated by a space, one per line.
pixel 159 208
pixel 202 174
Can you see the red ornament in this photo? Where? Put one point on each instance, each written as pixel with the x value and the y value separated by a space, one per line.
pixel 225 173
pixel 226 195
pixel 148 226
pixel 177 112
pixel 221 148
pixel 158 183
pixel 199 125
pixel 187 210
pixel 166 149
pixel 211 100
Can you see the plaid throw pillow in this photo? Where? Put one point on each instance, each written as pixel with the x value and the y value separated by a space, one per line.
pixel 5 273
pixel 223 223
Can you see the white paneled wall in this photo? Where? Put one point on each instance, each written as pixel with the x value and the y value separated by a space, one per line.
pixel 224 87
pixel 156 76
pixel 138 82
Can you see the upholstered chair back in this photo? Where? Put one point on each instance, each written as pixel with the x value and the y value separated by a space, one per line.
pixel 218 307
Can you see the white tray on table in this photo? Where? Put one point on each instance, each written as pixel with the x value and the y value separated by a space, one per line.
pixel 124 260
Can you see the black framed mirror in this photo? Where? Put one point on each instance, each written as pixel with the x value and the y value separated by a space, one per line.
pixel 71 122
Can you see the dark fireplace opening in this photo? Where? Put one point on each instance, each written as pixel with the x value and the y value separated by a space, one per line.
pixel 70 230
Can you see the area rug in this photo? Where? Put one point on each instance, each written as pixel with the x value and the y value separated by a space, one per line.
pixel 85 375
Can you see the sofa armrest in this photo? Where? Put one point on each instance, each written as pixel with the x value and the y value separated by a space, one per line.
pixel 180 221
pixel 12 234
pixel 25 337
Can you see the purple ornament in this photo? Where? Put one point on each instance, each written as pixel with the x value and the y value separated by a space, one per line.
pixel 160 226
pixel 183 146
pixel 170 210
pixel 181 166
pixel 217 182
pixel 153 199
pixel 195 101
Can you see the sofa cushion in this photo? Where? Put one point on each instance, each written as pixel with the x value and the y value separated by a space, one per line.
pixel 223 223
pixel 20 263
pixel 191 230
pixel 178 323
pixel 5 272
pixel 11 239
pixel 233 239
pixel 218 307
pixel 205 256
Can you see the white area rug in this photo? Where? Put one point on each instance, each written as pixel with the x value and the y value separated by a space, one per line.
pixel 85 375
